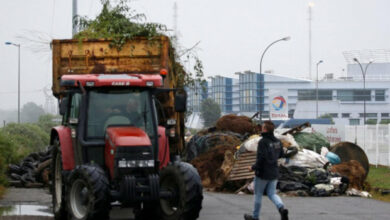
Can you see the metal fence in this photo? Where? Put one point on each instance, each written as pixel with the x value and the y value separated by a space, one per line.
pixel 373 139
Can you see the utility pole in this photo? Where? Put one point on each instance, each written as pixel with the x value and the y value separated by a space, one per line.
pixel 319 62
pixel 261 72
pixel 74 14
pixel 175 32
pixel 311 5
pixel 18 46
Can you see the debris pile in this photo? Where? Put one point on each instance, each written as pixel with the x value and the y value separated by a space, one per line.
pixel 312 167
pixel 354 171
pixel 238 124
pixel 311 141
pixel 32 171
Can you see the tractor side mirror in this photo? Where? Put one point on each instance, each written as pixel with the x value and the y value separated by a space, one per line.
pixel 180 102
pixel 64 105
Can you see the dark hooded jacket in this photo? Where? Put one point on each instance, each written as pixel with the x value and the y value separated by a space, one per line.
pixel 269 150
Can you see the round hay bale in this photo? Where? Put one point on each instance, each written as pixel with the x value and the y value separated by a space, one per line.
pixel 349 151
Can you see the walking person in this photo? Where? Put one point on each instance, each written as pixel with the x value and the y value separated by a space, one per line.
pixel 269 150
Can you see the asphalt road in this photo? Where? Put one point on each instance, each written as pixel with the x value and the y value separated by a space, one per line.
pixel 218 206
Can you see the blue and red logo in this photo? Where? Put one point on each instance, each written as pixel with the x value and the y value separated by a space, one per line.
pixel 278 103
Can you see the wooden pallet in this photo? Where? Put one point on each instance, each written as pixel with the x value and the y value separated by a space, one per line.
pixel 240 168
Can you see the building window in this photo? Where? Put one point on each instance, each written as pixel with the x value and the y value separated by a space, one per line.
pixel 324 94
pixel 354 95
pixel 312 95
pixel 291 113
pixel 306 95
pixel 345 115
pixel 368 115
pixel 385 115
pixel 354 121
pixel 334 115
pixel 380 95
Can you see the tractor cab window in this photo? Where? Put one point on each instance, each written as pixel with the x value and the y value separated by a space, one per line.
pixel 75 107
pixel 119 107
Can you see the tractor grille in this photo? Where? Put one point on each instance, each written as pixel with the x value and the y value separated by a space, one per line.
pixel 143 153
pixel 134 153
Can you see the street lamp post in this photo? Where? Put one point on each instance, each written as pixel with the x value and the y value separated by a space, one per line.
pixel 18 46
pixel 319 62
pixel 261 62
pixel 364 72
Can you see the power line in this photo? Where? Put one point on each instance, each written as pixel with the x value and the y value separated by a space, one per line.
pixel 52 17
pixel 26 91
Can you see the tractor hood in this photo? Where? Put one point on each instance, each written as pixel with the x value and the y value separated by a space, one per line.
pixel 127 137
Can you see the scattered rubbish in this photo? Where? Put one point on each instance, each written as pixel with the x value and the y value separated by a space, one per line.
pixel 311 140
pixel 305 158
pixel 355 192
pixel 385 192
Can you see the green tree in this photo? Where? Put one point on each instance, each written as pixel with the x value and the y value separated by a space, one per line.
pixel 47 122
pixel 385 121
pixel 27 137
pixel 210 112
pixel 31 112
pixel 371 121
pixel 327 116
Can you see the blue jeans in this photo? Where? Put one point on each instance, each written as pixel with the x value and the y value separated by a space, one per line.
pixel 270 186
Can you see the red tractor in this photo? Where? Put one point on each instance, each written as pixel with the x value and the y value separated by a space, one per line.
pixel 112 150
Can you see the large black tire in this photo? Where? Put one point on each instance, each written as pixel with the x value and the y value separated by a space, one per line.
pixel 183 180
pixel 88 193
pixel 58 183
pixel 149 211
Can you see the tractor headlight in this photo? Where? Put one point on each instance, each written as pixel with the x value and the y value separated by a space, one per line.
pixel 135 163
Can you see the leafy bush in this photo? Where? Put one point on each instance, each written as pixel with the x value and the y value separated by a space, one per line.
pixel 7 155
pixel 48 121
pixel 119 23
pixel 27 137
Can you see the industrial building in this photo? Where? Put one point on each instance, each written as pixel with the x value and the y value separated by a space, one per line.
pixel 342 98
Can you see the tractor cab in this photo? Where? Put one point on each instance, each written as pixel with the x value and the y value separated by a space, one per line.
pixel 108 112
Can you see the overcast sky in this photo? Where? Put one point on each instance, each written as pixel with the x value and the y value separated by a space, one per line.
pixel 232 35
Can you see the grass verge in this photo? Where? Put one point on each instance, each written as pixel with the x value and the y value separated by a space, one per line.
pixel 379 179
pixel 2 191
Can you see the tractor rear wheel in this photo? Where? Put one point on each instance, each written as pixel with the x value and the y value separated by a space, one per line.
pixel 184 182
pixel 88 193
pixel 58 183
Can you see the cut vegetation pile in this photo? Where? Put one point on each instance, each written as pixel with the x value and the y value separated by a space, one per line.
pixel 238 124
pixel 214 166
pixel 354 171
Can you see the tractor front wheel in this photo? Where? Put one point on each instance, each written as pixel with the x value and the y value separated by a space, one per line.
pixel 88 193
pixel 184 182
pixel 57 183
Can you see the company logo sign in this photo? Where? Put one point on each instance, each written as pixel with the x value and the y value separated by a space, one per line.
pixel 279 103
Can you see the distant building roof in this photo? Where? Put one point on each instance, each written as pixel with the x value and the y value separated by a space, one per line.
pixel 365 56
